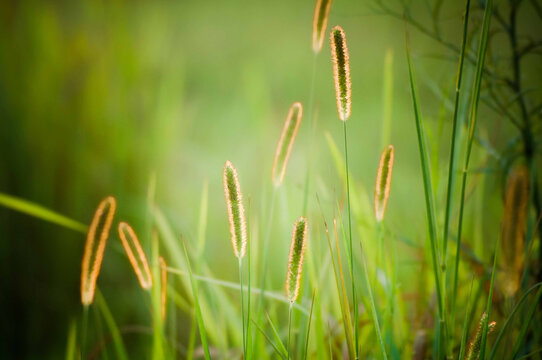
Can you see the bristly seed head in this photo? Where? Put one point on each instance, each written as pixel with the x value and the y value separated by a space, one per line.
pixel 89 273
pixel 514 223
pixel 341 72
pixel 295 260
pixel 140 264
pixel 383 182
pixel 475 345
pixel 286 143
pixel 319 23
pixel 236 211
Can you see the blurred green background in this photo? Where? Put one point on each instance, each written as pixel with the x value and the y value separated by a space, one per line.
pixel 97 96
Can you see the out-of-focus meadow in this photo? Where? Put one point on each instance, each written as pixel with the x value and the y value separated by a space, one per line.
pixel 120 98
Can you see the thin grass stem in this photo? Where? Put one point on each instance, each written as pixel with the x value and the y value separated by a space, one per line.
pixel 242 306
pixel 289 328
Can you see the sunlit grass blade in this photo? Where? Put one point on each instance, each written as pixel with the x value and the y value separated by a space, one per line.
pixel 158 306
pixel 201 325
pixel 120 349
pixel 428 191
pixel 307 337
pixel 93 255
pixel 163 287
pixel 130 242
pixel 286 143
pixel 41 212
pixel 71 341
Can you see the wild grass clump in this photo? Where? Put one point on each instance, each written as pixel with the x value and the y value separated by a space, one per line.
pixel 94 252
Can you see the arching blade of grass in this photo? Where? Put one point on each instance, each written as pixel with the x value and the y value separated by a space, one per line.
pixel 72 341
pixel 428 191
pixel 201 326
pixel 281 346
pixel 113 328
pixel 270 341
pixel 510 317
pixel 472 126
pixel 526 323
pixel 466 324
pixel 41 212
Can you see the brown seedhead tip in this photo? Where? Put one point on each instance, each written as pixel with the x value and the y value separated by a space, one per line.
pixel 286 143
pixel 383 182
pixel 236 211
pixel 93 256
pixel 295 260
pixel 341 72
pixel 319 23
pixel 130 241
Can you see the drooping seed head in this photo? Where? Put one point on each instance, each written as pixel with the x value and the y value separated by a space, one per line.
pixel 341 72
pixel 295 260
pixel 319 23
pixel 236 211
pixel 476 342
pixel 286 143
pixel 163 286
pixel 130 242
pixel 93 256
pixel 513 230
pixel 383 182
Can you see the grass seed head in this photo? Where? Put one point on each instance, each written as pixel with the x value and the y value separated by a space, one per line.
pixel 286 143
pixel 513 229
pixel 319 23
pixel 341 72
pixel 236 211
pixel 383 182
pixel 476 342
pixel 93 256
pixel 295 260
pixel 129 241
pixel 163 286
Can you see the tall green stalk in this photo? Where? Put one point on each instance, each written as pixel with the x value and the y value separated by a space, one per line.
pixel 472 127
pixel 242 306
pixel 354 297
pixel 428 191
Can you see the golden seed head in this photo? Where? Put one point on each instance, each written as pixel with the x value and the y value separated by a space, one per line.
pixel 286 143
pixel 163 286
pixel 513 230
pixel 295 260
pixel 319 23
pixel 89 273
pixel 129 241
pixel 383 182
pixel 236 211
pixel 341 72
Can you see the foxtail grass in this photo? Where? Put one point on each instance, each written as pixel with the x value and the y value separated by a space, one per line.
pixel 295 267
pixel 94 251
pixel 130 242
pixel 319 23
pixel 163 287
pixel 513 227
pixel 473 352
pixel 341 72
pixel 383 182
pixel 236 216
pixel 286 143
pixel 343 95
pixel 236 211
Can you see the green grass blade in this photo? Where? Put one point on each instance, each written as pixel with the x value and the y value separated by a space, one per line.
pixel 71 343
pixel 277 350
pixel 511 316
pixel 280 345
pixel 428 190
pixel 41 212
pixel 387 98
pixel 309 326
pixel 201 326
pixel 526 323
pixel 466 324
pixel 113 328
pixel 488 306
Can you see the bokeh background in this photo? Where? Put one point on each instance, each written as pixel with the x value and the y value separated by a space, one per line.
pixel 98 98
